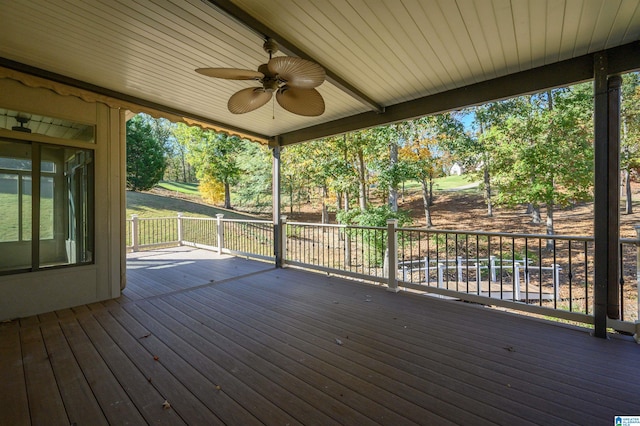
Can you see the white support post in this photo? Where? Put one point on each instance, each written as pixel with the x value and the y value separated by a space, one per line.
pixel 392 259
pixel 134 232
pixel 478 273
pixel 492 268
pixel 459 267
pixel 180 231
pixel 516 281
pixel 283 244
pixel 440 275
pixel 220 228
pixel 426 270
pixel 556 281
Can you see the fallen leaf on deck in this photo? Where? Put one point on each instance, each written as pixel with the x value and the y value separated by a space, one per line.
pixel 155 357
pixel 166 405
pixel 338 341
pixel 218 387
pixel 145 336
pixel 509 348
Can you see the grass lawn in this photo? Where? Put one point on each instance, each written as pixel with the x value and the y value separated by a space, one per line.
pixel 185 188
pixel 149 205
pixel 444 184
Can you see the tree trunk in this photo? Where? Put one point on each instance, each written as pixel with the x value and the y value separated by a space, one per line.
pixel 227 196
pixel 393 190
pixel 338 201
pixel 550 230
pixel 536 217
pixel 184 168
pixel 629 201
pixel 487 190
pixel 291 197
pixel 425 201
pixel 430 200
pixel 363 182
pixel 325 210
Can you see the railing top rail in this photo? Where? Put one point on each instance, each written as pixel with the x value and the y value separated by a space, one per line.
pixel 156 218
pixel 501 234
pixel 630 241
pixel 337 225
pixel 324 225
pixel 228 220
pixel 268 222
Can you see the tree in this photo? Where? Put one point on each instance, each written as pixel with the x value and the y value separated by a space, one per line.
pixel 214 156
pixel 145 155
pixel 423 153
pixel 630 133
pixel 393 171
pixel 546 151
pixel 254 184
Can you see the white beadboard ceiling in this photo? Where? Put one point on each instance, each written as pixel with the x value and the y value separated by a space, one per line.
pixel 391 51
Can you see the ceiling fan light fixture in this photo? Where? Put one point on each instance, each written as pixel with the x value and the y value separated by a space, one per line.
pixel 292 79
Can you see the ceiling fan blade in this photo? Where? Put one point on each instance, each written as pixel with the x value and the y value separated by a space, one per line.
pixel 296 72
pixel 247 100
pixel 307 102
pixel 230 73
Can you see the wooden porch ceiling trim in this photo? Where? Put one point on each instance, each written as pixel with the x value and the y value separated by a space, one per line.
pixel 124 101
pixel 228 8
pixel 621 59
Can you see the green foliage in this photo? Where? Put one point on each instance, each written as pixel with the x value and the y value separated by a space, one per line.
pixel 545 150
pixel 630 123
pixel 213 155
pixel 373 216
pixel 254 184
pixel 375 240
pixel 145 155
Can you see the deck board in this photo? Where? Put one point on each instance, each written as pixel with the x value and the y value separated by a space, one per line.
pixel 14 406
pixel 79 401
pixel 45 401
pixel 239 342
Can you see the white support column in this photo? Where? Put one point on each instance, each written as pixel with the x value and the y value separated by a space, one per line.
pixel 134 232
pixel 283 244
pixel 440 275
pixel 275 191
pixel 492 267
pixel 392 258
pixel 556 281
pixel 220 232
pixel 516 281
pixel 459 267
pixel 180 232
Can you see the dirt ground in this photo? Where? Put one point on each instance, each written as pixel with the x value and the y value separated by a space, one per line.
pixel 465 211
pixel 456 210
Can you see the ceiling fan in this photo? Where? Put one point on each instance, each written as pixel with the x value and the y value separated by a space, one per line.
pixel 292 79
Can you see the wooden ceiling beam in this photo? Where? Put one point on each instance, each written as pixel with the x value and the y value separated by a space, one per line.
pixel 621 59
pixel 243 18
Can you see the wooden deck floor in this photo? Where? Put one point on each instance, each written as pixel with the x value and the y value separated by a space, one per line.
pixel 229 341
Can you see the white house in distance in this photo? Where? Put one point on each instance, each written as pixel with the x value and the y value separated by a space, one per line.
pixel 456 170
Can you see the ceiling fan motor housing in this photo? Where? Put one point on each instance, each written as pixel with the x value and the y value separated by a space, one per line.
pixel 270 81
pixel 270 46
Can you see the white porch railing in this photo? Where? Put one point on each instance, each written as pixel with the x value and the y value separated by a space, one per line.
pixel 249 238
pixel 549 276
